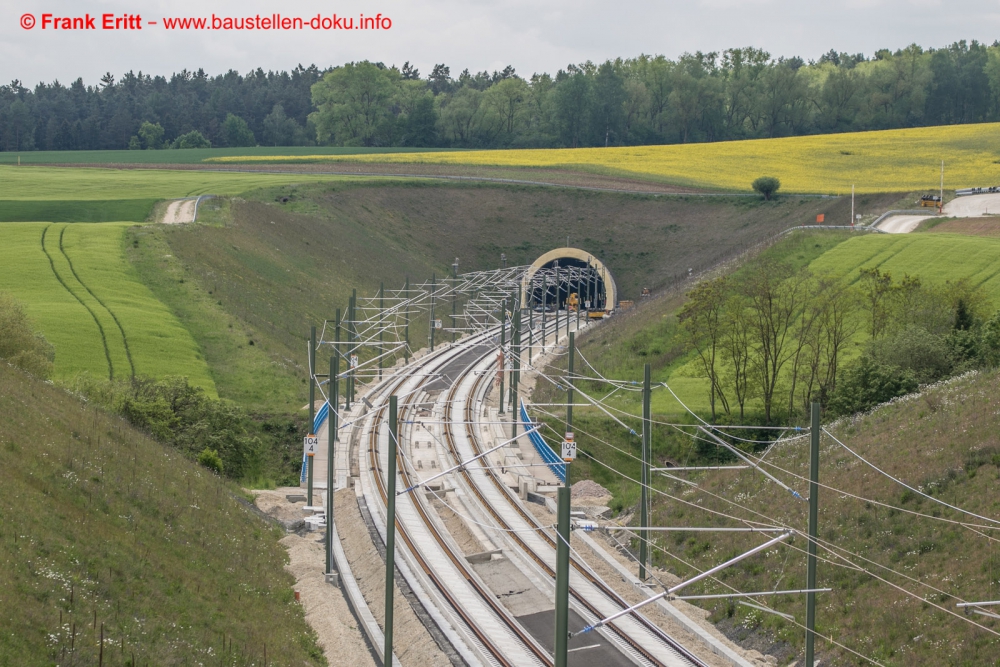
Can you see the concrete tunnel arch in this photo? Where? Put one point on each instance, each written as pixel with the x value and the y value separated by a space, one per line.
pixel 610 288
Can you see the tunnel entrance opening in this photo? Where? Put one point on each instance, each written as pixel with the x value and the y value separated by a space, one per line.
pixel 555 281
pixel 569 277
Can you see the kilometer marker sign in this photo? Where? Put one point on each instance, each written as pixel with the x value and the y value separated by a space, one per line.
pixel 569 448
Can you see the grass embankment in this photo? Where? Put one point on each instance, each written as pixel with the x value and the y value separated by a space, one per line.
pixel 102 527
pixel 52 194
pixel 882 161
pixel 89 302
pixel 264 271
pixel 985 226
pixel 943 442
pixel 649 334
pixel 189 155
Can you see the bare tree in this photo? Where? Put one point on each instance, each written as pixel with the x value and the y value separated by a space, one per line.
pixel 838 326
pixel 774 292
pixel 877 290
pixel 736 347
pixel 702 322
pixel 804 336
pixel 832 309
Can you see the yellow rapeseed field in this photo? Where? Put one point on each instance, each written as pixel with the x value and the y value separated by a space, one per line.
pixel 882 161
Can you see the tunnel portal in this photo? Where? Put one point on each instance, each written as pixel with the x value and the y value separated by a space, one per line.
pixel 558 273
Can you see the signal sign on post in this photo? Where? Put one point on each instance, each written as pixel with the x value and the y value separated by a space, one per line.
pixel 437 324
pixel 354 361
pixel 309 444
pixel 568 448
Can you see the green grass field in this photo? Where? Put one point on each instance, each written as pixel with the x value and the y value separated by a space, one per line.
pixel 68 185
pixel 935 258
pixel 89 302
pixel 51 210
pixel 188 156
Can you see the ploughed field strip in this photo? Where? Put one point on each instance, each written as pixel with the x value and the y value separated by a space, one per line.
pixel 496 605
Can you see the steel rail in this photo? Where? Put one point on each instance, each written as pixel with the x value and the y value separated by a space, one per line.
pixel 609 593
pixel 458 561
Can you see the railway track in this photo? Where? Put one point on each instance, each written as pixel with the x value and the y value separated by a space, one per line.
pixel 493 633
pixel 515 533
pixel 453 590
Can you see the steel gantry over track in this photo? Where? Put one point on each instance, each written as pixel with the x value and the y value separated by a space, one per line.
pixel 375 331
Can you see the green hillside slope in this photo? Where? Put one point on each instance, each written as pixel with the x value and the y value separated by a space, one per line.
pixel 102 528
pixel 896 569
pixel 263 271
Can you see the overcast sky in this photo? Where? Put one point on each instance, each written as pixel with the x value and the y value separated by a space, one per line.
pixel 533 36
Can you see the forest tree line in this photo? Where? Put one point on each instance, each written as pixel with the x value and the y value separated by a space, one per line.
pixel 737 94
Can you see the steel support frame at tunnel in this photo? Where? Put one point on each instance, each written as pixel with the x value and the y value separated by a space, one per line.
pixel 378 325
pixel 594 268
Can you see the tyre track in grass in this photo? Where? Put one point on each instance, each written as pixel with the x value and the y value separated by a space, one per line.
pixel 128 352
pixel 104 338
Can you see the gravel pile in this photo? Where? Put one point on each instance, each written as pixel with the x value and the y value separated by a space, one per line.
pixel 589 492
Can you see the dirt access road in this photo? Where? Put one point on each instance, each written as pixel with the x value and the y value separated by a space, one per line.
pixel 960 207
pixel 179 211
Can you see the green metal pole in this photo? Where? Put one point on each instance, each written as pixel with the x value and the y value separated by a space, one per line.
pixel 503 344
pixel 579 302
pixel 454 297
pixel 531 326
pixel 381 309
pixel 644 492
pixel 390 534
pixel 406 295
pixel 353 328
pixel 562 577
pixel 312 378
pixel 569 395
pixel 433 289
pixel 516 372
pixel 331 432
pixel 347 357
pixel 513 369
pixel 558 294
pixel 336 347
pixel 545 307
pixel 309 463
pixel 813 532
pixel 567 301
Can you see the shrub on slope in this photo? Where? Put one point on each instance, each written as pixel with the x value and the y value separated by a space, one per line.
pixel 19 344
